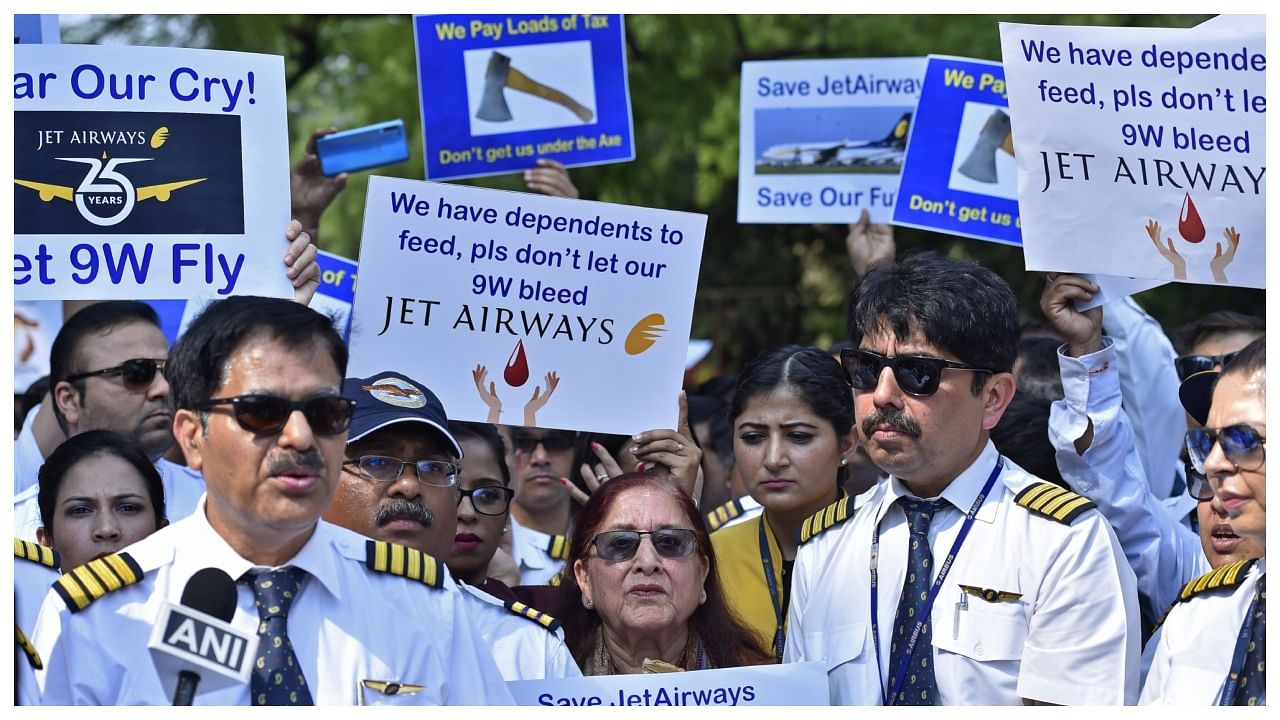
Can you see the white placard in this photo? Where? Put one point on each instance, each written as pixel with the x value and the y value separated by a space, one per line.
pixel 1141 152
pixel 148 172
pixel 482 293
pixel 822 139
pixel 790 684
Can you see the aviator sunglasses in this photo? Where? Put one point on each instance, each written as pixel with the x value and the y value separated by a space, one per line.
pixel 136 374
pixel 1243 445
pixel 1188 365
pixel 616 545
pixel 917 375
pixel 268 414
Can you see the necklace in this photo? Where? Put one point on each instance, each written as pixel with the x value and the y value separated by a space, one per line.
pixel 692 657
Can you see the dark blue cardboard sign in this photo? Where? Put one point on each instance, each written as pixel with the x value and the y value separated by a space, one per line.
pixel 959 174
pixel 500 91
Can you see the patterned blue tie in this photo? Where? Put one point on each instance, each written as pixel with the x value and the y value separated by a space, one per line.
pixel 919 686
pixel 1253 685
pixel 277 677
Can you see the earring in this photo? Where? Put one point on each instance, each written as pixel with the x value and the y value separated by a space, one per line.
pixel 586 603
pixel 844 461
pixel 703 597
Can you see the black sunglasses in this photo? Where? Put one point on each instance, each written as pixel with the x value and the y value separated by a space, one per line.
pixel 616 545
pixel 268 414
pixel 1189 365
pixel 917 375
pixel 136 374
pixel 1198 485
pixel 488 499
pixel 1243 445
pixel 553 443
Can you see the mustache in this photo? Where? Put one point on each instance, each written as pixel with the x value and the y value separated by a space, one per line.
pixel 401 507
pixel 312 460
pixel 892 417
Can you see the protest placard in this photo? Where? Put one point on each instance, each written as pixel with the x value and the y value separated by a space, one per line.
pixel 35 324
pixel 527 309
pixel 35 29
pixel 822 139
pixel 1140 151
pixel 961 178
pixel 791 684
pixel 500 91
pixel 148 172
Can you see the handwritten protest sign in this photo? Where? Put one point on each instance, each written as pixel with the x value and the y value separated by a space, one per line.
pixel 822 139
pixel 791 684
pixel 527 309
pixel 148 172
pixel 500 91
pixel 959 174
pixel 1141 152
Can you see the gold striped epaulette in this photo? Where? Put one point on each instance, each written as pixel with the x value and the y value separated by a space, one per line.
pixel 1051 501
pixel 96 578
pixel 30 650
pixel 826 518
pixel 724 514
pixel 554 581
pixel 528 613
pixel 558 547
pixel 36 553
pixel 1227 576
pixel 394 559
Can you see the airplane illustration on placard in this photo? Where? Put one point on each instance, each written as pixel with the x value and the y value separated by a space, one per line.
pixel 887 150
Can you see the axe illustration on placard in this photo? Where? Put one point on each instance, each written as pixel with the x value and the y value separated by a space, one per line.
pixel 499 75
pixel 995 135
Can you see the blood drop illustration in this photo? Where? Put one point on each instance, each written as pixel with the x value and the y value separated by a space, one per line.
pixel 517 370
pixel 1189 224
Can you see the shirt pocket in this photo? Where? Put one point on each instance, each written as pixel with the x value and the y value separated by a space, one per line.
pixel 837 646
pixel 982 630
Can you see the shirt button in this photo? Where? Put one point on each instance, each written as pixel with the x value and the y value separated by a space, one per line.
pixel 979 650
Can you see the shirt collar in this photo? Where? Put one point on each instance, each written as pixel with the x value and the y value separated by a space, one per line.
pixel 960 492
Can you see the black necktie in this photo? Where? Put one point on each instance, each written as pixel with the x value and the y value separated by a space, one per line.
pixel 277 677
pixel 1253 676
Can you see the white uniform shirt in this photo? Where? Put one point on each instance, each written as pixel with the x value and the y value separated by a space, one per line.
pixel 348 624
pixel 1164 553
pixel 529 551
pixel 522 648
pixel 27 458
pixel 750 509
pixel 182 490
pixel 31 581
pixel 1195 645
pixel 1070 638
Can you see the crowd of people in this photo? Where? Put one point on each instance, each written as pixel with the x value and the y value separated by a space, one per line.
pixel 950 508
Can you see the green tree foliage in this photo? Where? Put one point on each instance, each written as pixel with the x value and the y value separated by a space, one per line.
pixel 760 285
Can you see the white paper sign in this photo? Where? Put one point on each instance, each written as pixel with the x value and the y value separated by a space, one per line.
pixel 790 684
pixel 823 139
pixel 148 172
pixel 1141 152
pixel 526 309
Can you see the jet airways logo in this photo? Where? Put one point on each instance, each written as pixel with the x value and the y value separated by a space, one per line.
pixel 106 196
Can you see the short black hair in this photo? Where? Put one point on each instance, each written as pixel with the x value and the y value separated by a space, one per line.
pixel 1022 435
pixel 1250 361
pixel 487 434
pixel 1039 375
pixel 65 354
pixel 715 412
pixel 959 306
pixel 199 360
pixel 1219 322
pixel 93 443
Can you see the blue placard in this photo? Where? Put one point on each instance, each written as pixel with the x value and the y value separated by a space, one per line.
pixel 33 29
pixel 500 91
pixel 959 175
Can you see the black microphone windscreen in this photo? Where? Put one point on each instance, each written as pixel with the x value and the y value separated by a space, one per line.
pixel 213 592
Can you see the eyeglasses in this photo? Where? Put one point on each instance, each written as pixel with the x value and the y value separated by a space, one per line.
pixel 488 499
pixel 1198 485
pixel 1189 365
pixel 917 375
pixel 268 414
pixel 136 374
pixel 385 469
pixel 551 443
pixel 616 545
pixel 1242 444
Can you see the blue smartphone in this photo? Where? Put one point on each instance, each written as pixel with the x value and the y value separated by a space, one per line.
pixel 362 148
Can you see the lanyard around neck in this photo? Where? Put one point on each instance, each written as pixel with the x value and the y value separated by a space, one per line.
pixel 1240 655
pixel 766 558
pixel 923 616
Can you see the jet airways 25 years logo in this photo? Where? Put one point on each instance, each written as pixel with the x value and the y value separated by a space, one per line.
pixel 189 162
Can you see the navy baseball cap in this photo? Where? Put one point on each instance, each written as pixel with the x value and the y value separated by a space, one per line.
pixel 1196 393
pixel 388 398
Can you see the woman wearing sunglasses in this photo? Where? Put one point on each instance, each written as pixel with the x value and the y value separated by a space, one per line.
pixel 1211 649
pixel 792 417
pixel 482 506
pixel 643 588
